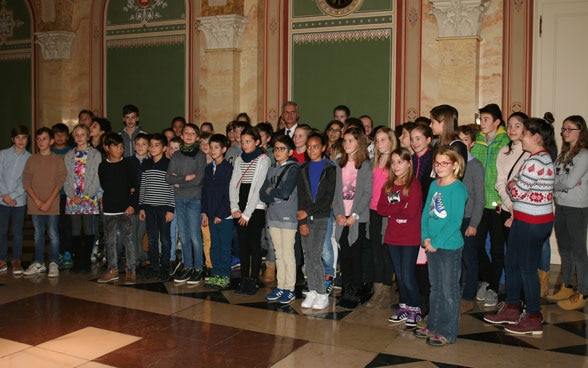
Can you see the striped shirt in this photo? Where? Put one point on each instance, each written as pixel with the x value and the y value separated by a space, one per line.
pixel 155 191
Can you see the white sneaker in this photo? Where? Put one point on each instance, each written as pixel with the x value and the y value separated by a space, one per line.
pixel 34 269
pixel 310 298
pixel 481 294
pixel 321 301
pixel 53 270
pixel 491 298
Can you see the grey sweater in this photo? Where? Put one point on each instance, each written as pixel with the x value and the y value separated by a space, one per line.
pixel 567 191
pixel 179 167
pixel 361 201
pixel 474 182
pixel 91 180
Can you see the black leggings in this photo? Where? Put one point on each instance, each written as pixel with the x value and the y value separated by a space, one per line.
pixel 250 244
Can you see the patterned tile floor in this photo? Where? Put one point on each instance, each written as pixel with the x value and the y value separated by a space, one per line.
pixel 74 321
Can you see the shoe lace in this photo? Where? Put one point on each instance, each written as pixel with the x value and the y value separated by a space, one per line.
pixel 574 297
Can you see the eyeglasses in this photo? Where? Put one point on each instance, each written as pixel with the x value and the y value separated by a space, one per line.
pixel 569 130
pixel 330 130
pixel 442 163
pixel 290 112
pixel 280 149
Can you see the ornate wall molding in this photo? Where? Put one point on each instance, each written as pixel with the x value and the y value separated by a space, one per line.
pixel 55 45
pixel 222 32
pixel 459 18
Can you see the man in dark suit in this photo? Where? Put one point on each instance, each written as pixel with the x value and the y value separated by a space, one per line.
pixel 290 116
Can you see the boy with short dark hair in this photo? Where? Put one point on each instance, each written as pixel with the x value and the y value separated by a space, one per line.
pixel 141 144
pixel 60 147
pixel 119 201
pixel 42 178
pixel 131 130
pixel 490 140
pixel 216 212
pixel 156 206
pixel 13 197
pixel 280 193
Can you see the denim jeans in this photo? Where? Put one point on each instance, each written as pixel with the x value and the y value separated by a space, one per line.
pixel 139 228
pixel 221 236
pixel 571 241
pixel 522 260
pixel 173 235
pixel 157 231
pixel 17 215
pixel 469 263
pixel 111 224
pixel 328 253
pixel 312 252
pixel 404 259
pixel 189 221
pixel 49 223
pixel 444 273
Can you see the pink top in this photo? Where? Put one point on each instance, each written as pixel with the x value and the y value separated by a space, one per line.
pixel 379 178
pixel 349 176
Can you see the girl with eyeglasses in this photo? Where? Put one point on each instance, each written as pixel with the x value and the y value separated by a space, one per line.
pixel 571 212
pixel 441 236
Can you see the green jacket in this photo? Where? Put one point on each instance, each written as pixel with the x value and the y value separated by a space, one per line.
pixel 487 154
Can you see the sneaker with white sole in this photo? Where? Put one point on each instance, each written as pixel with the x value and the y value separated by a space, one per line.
pixel 481 294
pixel 287 297
pixel 309 300
pixel 321 301
pixel 53 270
pixel 401 314
pixel 491 298
pixel 35 268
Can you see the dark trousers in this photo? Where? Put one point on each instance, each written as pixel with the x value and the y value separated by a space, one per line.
pixel 351 263
pixel 250 244
pixel 491 267
pixel 158 230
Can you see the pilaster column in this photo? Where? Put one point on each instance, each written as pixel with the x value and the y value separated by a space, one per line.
pixel 55 45
pixel 459 23
pixel 221 90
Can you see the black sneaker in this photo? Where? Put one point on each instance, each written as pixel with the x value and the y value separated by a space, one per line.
pixel 164 276
pixel 195 277
pixel 184 275
pixel 177 268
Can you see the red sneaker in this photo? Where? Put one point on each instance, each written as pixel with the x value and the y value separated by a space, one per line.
pixel 529 324
pixel 506 314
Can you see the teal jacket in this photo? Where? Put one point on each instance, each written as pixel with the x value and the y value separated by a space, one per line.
pixel 487 155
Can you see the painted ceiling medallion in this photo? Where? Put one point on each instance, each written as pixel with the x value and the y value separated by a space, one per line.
pixel 144 10
pixel 7 23
pixel 339 8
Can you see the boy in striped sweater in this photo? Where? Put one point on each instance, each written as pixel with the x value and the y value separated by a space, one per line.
pixel 156 206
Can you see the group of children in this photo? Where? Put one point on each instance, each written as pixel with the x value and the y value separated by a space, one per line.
pixel 418 202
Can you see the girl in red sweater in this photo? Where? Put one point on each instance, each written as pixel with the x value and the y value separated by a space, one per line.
pixel 401 201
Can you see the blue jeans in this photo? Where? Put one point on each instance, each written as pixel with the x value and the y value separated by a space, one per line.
pixel 444 273
pixel 469 262
pixel 221 236
pixel 158 231
pixel 521 262
pixel 328 255
pixel 189 221
pixel 404 259
pixel 545 260
pixel 49 223
pixel 16 214
pixel 173 235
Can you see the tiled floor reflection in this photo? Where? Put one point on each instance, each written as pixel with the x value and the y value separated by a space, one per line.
pixel 73 321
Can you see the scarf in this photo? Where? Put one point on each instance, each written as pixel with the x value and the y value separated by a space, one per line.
pixel 247 157
pixel 190 150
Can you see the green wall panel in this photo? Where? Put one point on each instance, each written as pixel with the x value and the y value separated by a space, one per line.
pixel 151 77
pixel 354 73
pixel 15 97
pixel 132 12
pixel 376 5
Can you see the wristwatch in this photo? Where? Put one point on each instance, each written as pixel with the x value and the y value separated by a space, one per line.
pixel 355 216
